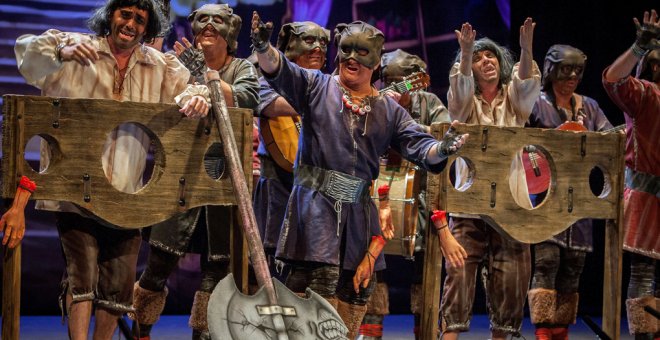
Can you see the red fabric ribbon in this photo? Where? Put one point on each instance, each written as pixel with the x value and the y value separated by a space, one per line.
pixel 27 184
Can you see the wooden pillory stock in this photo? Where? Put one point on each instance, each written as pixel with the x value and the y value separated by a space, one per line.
pixel 572 156
pixel 76 131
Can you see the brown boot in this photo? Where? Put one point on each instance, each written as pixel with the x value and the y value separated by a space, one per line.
pixel 198 318
pixel 542 304
pixel 567 307
pixel 148 306
pixel 352 316
pixel 332 301
pixel 372 327
pixel 639 321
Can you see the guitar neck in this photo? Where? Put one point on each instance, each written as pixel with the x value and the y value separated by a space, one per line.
pixel 616 128
pixel 401 87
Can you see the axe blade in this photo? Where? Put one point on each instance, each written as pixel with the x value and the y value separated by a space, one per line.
pixel 234 315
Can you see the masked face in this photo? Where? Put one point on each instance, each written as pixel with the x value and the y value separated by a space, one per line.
pixel 571 67
pixel 127 27
pixel 305 43
pixel 361 42
pixel 219 19
pixel 398 64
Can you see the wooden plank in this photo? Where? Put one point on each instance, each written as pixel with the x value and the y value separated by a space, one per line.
pixel 78 139
pixel 11 292
pixel 612 264
pixel 431 279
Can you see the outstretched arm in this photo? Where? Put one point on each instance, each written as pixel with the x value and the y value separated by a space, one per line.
pixel 269 58
pixel 450 143
pixel 647 38
pixel 526 56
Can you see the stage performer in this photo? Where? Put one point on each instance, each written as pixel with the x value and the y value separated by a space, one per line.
pixel 306 44
pixel 640 101
pixel 425 108
pixel 113 63
pixel 487 88
pixel 204 230
pixel 346 126
pixel 558 262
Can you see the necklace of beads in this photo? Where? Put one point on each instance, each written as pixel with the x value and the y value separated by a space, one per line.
pixel 359 109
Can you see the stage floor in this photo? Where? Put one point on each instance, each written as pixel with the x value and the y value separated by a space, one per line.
pixel 396 327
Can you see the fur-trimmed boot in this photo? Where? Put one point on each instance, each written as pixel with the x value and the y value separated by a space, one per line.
pixel 148 306
pixel 640 323
pixel 198 318
pixel 352 316
pixel 565 314
pixel 542 304
pixel 377 307
pixel 416 306
pixel 333 301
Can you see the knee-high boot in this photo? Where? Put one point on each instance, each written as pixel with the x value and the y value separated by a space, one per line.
pixel 148 306
pixel 416 306
pixel 352 316
pixel 542 304
pixel 565 314
pixel 377 307
pixel 198 316
pixel 640 323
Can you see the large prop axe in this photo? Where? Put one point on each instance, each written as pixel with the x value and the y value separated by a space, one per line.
pixel 274 312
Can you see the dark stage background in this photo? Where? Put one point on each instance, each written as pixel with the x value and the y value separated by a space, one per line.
pixel 424 27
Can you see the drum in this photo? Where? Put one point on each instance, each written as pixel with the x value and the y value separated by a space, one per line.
pixel 404 188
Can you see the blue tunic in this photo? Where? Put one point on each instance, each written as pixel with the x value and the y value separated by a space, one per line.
pixel 333 138
pixel 272 191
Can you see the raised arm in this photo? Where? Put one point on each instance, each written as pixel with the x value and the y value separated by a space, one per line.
pixel 647 39
pixel 466 40
pixel 526 56
pixel 269 58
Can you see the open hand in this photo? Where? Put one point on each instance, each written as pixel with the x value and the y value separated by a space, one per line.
pixel 466 38
pixel 12 225
pixel 527 35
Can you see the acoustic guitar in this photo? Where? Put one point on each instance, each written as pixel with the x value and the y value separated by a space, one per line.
pixel 537 170
pixel 281 134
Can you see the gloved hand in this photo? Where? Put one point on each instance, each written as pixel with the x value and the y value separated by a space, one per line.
pixel 260 33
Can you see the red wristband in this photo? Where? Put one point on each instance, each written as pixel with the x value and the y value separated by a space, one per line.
pixel 439 219
pixel 383 190
pixel 27 184
pixel 379 239
pixel 438 215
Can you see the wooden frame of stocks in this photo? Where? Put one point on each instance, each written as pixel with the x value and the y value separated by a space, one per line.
pixel 572 156
pixel 77 129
